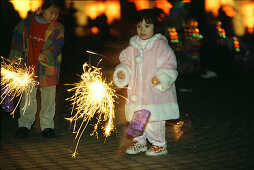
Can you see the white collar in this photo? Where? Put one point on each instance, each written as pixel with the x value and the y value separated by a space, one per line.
pixel 142 42
pixel 134 41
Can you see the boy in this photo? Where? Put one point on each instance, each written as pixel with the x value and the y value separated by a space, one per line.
pixel 38 40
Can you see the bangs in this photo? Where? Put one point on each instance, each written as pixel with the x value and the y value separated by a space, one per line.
pixel 147 20
pixel 147 15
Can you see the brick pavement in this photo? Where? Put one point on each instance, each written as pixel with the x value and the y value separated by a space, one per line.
pixel 219 135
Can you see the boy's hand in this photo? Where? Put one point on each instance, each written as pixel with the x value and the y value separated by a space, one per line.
pixel 155 80
pixel 120 74
pixel 41 58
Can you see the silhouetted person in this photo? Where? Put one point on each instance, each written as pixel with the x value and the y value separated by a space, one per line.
pixel 102 23
pixel 69 20
pixel 208 57
pixel 225 62
pixel 226 22
pixel 9 19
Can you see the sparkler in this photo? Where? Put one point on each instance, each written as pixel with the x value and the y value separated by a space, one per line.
pixel 17 81
pixel 92 96
pixel 96 54
pixel 178 129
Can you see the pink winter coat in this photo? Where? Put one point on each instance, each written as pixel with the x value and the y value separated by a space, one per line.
pixel 140 65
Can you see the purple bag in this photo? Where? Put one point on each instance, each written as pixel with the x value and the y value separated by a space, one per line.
pixel 7 104
pixel 138 122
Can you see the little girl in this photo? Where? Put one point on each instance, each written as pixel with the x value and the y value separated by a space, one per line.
pixel 148 67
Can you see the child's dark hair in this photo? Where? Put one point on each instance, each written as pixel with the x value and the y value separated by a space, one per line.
pixel 47 3
pixel 150 16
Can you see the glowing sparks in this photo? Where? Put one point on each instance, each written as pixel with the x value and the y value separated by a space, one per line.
pixel 17 80
pixel 178 129
pixel 92 96
pixel 96 54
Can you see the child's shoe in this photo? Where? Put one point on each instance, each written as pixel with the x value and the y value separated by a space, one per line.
pixel 136 148
pixel 156 151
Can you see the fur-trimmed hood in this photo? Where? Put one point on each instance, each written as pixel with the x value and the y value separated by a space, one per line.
pixel 135 42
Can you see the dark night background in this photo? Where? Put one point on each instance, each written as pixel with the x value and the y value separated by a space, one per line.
pixel 193 59
pixel 214 90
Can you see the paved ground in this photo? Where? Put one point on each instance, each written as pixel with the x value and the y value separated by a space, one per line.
pixel 218 133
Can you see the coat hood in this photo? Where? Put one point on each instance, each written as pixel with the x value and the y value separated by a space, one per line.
pixel 135 43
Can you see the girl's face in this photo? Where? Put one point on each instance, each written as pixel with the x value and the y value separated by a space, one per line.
pixel 145 30
pixel 50 14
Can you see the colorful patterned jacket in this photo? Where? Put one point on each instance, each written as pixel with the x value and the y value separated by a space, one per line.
pixel 47 72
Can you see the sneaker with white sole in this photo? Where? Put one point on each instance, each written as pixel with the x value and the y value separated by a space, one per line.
pixel 156 151
pixel 136 148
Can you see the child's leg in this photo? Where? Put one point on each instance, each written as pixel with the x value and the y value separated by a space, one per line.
pixel 138 145
pixel 140 139
pixel 155 133
pixel 48 103
pixel 27 115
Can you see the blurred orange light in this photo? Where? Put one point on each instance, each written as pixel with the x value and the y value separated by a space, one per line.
pixel 164 5
pixel 251 30
pixel 173 33
pixel 144 4
pixel 229 10
pixel 95 30
pixel 236 42
pixel 111 9
pixel 244 17
pixel 93 9
pixel 247 11
pixel 174 37
pixel 141 4
pixel 237 46
pixel 26 5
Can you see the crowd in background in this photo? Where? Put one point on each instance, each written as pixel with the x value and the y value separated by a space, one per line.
pixel 204 44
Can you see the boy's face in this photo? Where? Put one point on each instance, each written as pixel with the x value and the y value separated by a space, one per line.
pixel 145 30
pixel 50 14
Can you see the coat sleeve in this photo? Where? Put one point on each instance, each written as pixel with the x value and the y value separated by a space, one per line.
pixel 53 46
pixel 125 67
pixel 17 41
pixel 167 68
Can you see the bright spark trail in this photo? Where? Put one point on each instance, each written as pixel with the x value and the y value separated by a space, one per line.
pixel 92 96
pixel 17 81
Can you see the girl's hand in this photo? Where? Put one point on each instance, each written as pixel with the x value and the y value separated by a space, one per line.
pixel 120 74
pixel 13 62
pixel 155 80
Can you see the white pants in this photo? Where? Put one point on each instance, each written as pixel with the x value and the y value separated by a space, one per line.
pixel 154 133
pixel 47 112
